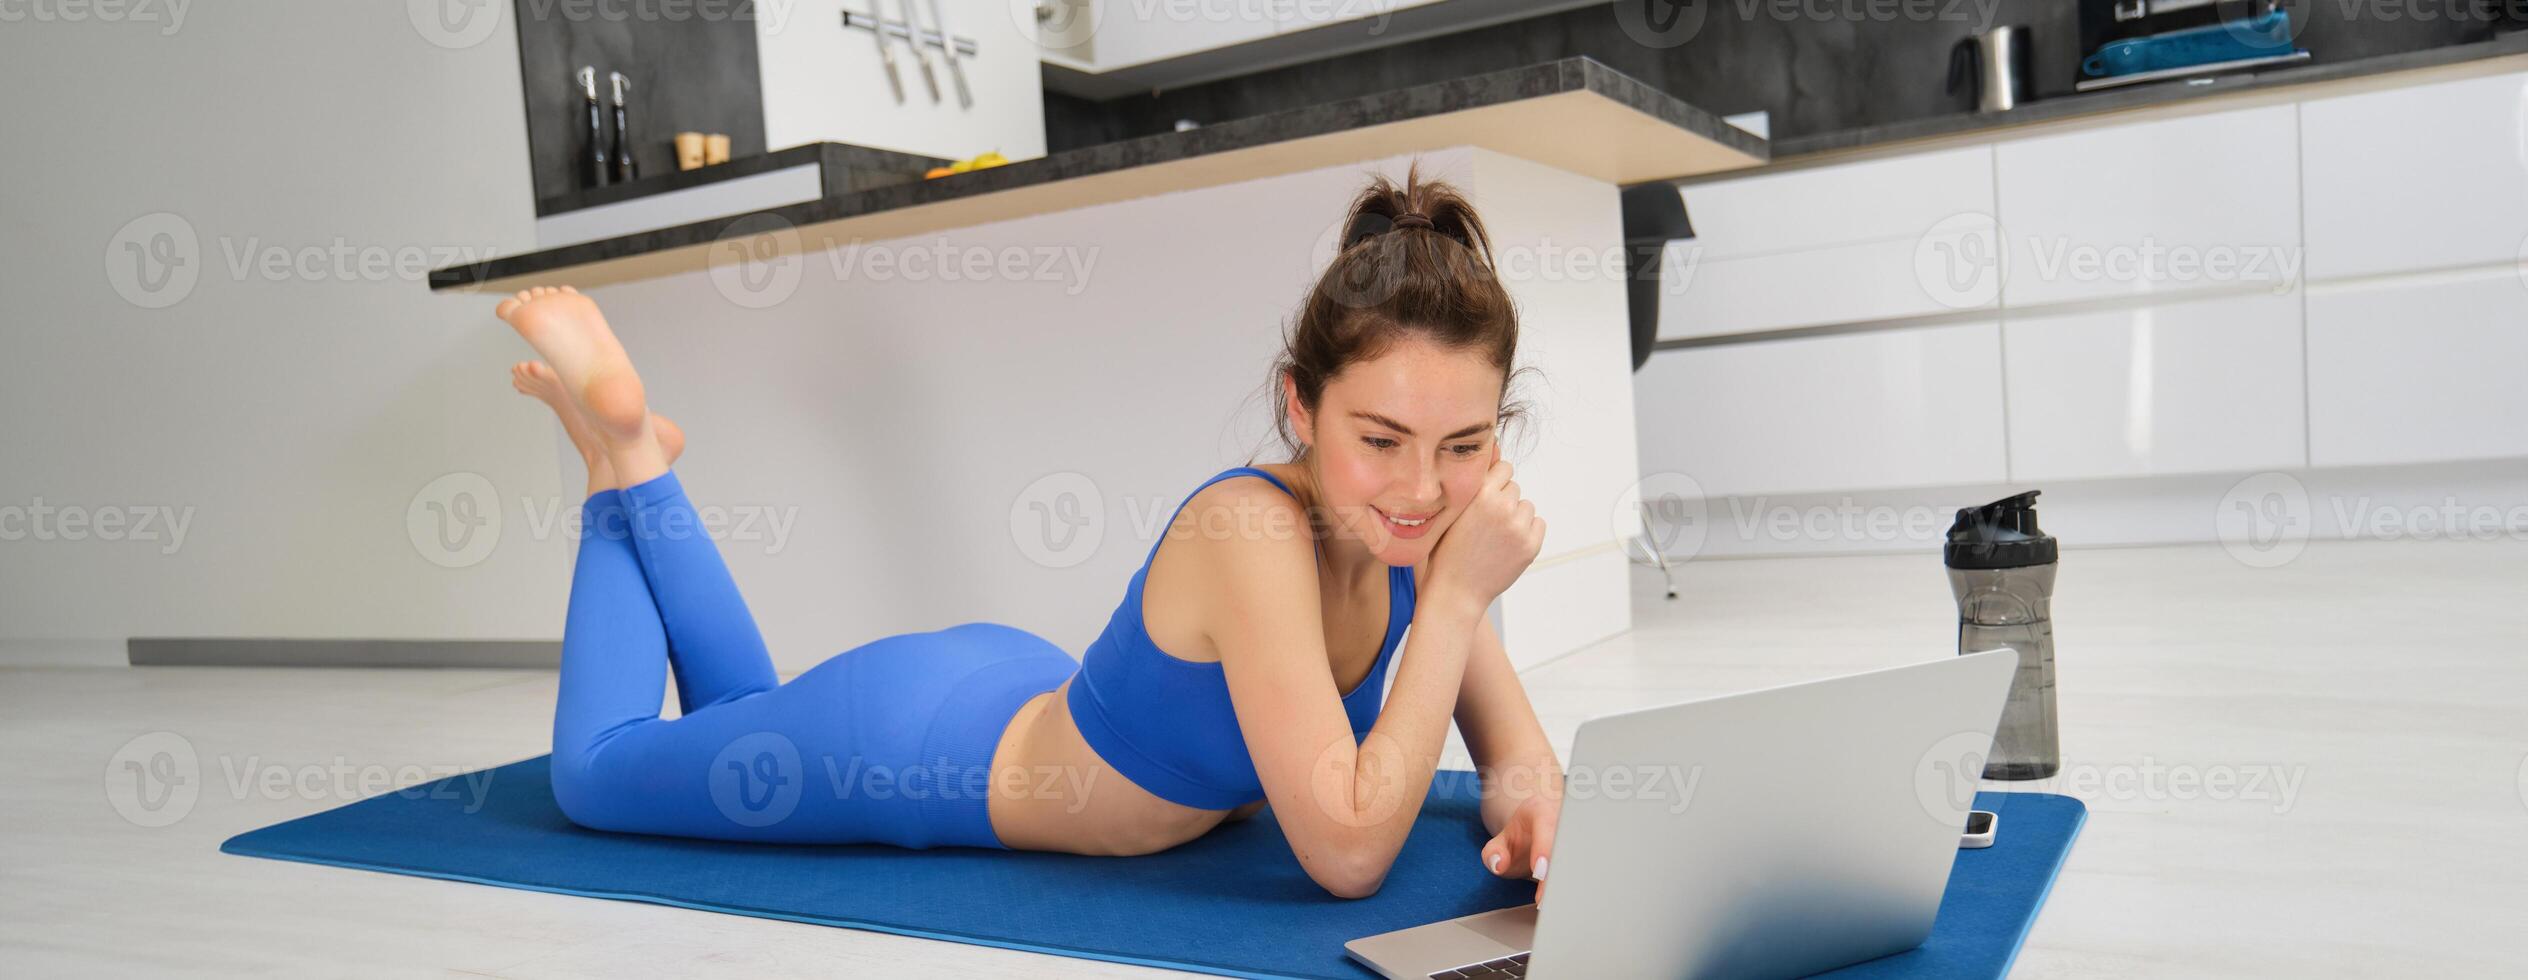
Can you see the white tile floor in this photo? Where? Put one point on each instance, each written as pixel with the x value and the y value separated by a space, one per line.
pixel 2320 769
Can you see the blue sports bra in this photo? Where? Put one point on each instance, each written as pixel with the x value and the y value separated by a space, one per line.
pixel 1167 723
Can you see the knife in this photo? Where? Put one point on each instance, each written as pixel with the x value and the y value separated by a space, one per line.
pixel 913 32
pixel 886 49
pixel 948 44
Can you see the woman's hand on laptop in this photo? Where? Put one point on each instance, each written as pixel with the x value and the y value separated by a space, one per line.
pixel 1521 848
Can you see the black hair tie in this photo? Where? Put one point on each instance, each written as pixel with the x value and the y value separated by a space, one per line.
pixel 1372 224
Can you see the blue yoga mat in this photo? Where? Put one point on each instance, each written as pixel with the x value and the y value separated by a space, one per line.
pixel 1233 902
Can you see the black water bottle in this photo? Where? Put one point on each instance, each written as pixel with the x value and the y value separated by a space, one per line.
pixel 2001 567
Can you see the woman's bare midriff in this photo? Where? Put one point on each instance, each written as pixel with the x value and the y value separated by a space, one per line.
pixel 1051 792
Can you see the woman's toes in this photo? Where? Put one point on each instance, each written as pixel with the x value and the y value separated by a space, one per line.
pixel 570 290
pixel 509 305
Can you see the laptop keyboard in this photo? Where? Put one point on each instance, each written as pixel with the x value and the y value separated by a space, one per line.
pixel 1507 966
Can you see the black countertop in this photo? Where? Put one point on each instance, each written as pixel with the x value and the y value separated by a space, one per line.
pixel 1492 89
pixel 845 167
pixel 1797 149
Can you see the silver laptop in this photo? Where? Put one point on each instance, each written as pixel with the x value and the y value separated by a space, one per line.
pixel 1776 833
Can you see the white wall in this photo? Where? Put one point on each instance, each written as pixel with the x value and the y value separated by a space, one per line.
pixel 875 434
pixel 822 82
pixel 293 416
pixel 898 423
pixel 1553 234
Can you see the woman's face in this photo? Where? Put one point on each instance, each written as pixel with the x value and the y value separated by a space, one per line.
pixel 1405 436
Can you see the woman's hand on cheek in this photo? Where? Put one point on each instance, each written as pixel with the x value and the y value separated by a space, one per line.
pixel 1522 847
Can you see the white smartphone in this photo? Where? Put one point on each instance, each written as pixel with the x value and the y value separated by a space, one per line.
pixel 1979 828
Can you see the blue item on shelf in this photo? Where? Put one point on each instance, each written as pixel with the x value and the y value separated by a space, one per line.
pixel 2262 36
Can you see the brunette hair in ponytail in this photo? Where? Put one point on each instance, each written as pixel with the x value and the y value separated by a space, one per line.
pixel 1414 262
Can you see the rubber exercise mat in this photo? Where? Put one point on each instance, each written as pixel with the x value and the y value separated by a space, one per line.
pixel 1233 902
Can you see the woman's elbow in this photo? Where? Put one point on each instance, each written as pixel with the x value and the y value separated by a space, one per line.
pixel 1359 879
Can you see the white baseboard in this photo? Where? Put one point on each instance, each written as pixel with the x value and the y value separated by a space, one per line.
pixel 2487 498
pixel 55 652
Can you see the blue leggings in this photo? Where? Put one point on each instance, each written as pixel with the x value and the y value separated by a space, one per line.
pixel 889 742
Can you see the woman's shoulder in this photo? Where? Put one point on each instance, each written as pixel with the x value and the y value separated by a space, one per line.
pixel 1238 528
pixel 1241 507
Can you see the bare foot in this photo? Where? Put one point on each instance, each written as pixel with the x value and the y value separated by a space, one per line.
pixel 537 379
pixel 671 437
pixel 594 371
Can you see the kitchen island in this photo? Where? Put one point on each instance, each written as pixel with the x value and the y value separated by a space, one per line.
pixel 979 397
pixel 1573 114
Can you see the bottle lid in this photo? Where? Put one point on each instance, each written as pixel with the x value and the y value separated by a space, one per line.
pixel 2001 534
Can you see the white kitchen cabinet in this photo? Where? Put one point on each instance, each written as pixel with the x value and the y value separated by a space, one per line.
pixel 2418 370
pixel 1894 408
pixel 1872 200
pixel 1851 243
pixel 2197 387
pixel 1132 32
pixel 1300 15
pixel 821 82
pixel 1943 271
pixel 2148 208
pixel 2428 177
